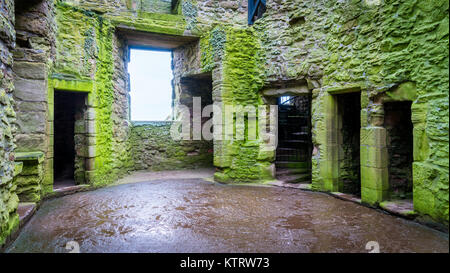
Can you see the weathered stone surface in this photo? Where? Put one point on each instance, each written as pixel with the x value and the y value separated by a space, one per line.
pixel 390 51
pixel 9 218
pixel 153 149
pixel 29 70
pixel 30 90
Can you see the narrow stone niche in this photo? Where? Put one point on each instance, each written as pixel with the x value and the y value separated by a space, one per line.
pixel 69 139
pixel 349 108
pixel 399 128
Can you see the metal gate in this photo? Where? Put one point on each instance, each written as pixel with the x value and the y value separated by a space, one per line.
pixel 294 132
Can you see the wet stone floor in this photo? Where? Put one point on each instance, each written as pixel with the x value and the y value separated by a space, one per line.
pixel 192 215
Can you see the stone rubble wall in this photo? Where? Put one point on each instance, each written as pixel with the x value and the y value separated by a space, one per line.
pixel 9 218
pixel 33 59
pixel 153 149
pixel 155 6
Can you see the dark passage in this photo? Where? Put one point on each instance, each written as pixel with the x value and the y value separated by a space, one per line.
pixel 293 162
pixel 67 105
pixel 397 121
pixel 349 107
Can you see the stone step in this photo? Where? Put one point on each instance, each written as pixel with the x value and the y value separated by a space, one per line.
pixel 291 164
pixel 281 171
pixel 295 178
pixel 25 211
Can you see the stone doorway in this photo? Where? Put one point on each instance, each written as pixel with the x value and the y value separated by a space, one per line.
pixel 293 154
pixel 399 140
pixel 348 127
pixel 69 139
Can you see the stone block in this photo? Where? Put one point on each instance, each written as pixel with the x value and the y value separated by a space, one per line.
pixel 222 161
pixel 421 146
pixel 91 151
pixel 80 127
pixel 419 113
pixel 375 178
pixel 372 196
pixel 90 164
pixel 30 90
pixel 372 156
pixel 266 154
pixel 32 122
pixel 91 127
pixel 364 118
pixel 330 184
pixel 29 106
pixel 28 70
pixel 373 136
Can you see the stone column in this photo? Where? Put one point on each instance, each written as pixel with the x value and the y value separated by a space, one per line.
pixel 328 136
pixel 374 159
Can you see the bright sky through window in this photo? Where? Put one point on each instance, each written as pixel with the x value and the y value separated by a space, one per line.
pixel 151 87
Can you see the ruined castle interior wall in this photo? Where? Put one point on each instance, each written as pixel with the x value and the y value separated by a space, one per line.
pixel 331 46
pixel 228 12
pixel 154 149
pixel 90 51
pixel 9 219
pixel 33 59
pixel 340 45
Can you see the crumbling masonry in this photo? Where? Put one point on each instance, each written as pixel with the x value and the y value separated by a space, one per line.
pixel 384 53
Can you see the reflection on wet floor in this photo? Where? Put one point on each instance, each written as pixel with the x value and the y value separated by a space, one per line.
pixel 191 215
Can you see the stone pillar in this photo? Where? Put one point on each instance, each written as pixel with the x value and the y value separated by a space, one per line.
pixel 374 159
pixel 91 137
pixel 327 137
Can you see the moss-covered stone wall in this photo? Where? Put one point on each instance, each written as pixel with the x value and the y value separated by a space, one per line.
pixel 387 50
pixel 153 148
pixel 371 47
pixel 9 219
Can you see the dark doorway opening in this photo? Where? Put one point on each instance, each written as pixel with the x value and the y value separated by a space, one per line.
pixel 349 125
pixel 399 128
pixel 294 151
pixel 68 127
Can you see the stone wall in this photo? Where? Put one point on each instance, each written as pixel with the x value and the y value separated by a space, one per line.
pixel 394 50
pixel 9 219
pixel 33 59
pixel 372 47
pixel 153 148
pixel 155 6
pixel 90 38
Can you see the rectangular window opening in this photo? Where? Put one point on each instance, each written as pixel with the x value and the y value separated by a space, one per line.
pixel 151 89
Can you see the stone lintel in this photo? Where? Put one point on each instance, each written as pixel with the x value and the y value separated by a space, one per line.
pixel 72 85
pixel 30 156
pixel 350 88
